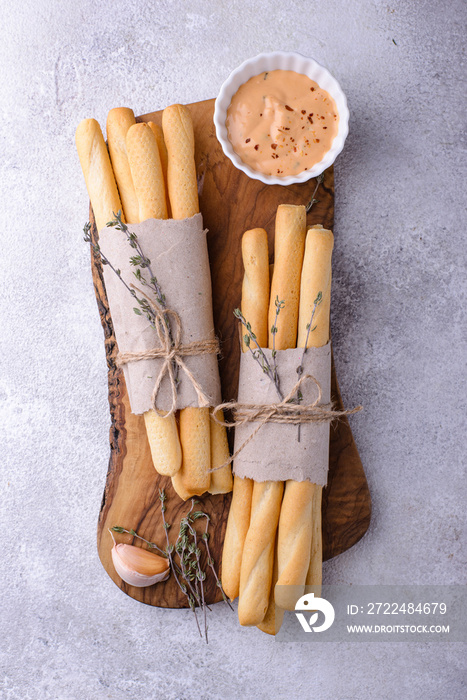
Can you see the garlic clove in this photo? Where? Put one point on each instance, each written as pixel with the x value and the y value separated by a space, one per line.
pixel 139 567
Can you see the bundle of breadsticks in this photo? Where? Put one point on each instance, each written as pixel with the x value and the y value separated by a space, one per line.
pixel 148 174
pixel 273 542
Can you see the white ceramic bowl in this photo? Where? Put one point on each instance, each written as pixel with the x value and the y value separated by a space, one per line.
pixel 281 60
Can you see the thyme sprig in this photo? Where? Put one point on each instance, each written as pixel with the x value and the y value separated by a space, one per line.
pixel 140 261
pixel 279 306
pixel 313 201
pixel 257 351
pixel 146 306
pixel 309 329
pixel 187 568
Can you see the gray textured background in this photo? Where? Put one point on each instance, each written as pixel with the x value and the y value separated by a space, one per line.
pixel 398 328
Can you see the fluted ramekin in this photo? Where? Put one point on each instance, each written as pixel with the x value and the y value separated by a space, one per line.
pixel 281 60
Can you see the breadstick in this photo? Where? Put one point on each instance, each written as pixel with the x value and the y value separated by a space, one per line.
pixel 179 488
pixel 221 479
pixel 164 442
pixel 194 474
pixel 182 184
pixel 293 542
pixel 272 621
pixel 315 570
pixel 297 520
pixel 182 190
pixel 158 133
pixel 314 575
pixel 255 288
pixel 258 552
pixel 237 528
pixel 146 171
pixel 150 195
pixel 119 121
pixel 255 300
pixel 97 171
pixel 289 245
pixel 258 555
pixel 316 277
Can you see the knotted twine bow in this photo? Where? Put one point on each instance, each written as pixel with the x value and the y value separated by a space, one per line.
pixel 168 326
pixel 284 412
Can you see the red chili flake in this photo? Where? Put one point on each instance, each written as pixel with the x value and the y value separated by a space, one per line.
pixel 310 120
pixel 289 108
pixel 312 89
pixel 325 127
pixel 247 140
pixel 256 147
pixel 261 114
pixel 303 111
pixel 274 145
pixel 311 114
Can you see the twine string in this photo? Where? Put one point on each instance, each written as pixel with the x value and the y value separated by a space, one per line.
pixel 172 351
pixel 283 412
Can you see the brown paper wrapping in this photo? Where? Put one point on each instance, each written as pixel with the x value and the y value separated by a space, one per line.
pixel 274 453
pixel 179 259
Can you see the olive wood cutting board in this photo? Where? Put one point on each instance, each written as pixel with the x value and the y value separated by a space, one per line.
pixel 230 203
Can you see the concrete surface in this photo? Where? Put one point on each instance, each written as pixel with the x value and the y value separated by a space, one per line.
pixel 398 327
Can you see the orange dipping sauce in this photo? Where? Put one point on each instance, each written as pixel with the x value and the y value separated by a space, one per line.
pixel 281 123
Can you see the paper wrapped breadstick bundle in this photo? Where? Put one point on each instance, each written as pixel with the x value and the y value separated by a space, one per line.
pixel 282 419
pixel 167 349
pixel 272 451
pixel 179 260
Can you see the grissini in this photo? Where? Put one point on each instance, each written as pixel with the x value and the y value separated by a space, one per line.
pixel 237 527
pixel 146 171
pixel 325 243
pixel 289 246
pixel 258 555
pixel 145 167
pixel 316 277
pixel 221 479
pixel 164 442
pixel 297 513
pixel 195 439
pixel 272 621
pixel 293 542
pixel 254 304
pixel 255 286
pixel 182 184
pixel 97 171
pixel 177 126
pixel 119 121
pixel 159 134
pixel 314 575
pixel 258 552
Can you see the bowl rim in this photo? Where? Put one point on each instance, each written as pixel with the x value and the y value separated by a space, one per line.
pixel 244 72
